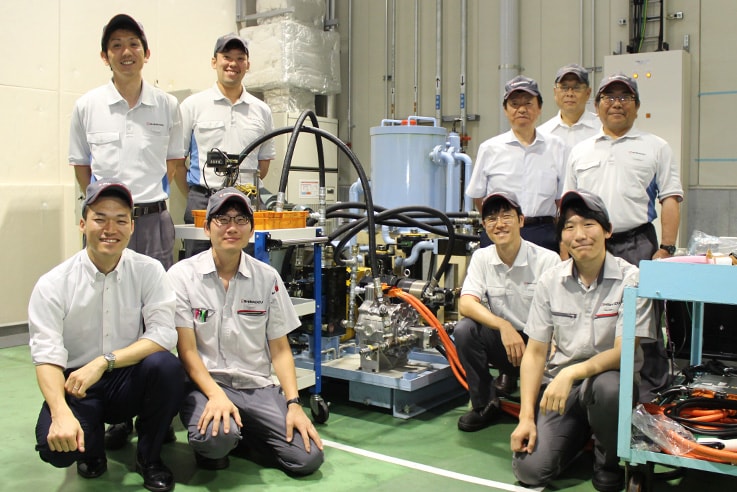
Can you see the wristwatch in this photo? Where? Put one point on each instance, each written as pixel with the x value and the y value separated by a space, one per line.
pixel 110 358
pixel 669 248
pixel 294 400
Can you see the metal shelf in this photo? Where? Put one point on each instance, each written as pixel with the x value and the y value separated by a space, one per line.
pixel 660 280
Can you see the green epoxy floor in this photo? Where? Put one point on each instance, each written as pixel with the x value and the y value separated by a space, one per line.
pixel 430 439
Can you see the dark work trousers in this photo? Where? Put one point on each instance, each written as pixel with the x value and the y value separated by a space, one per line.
pixel 154 236
pixel 636 245
pixel 197 199
pixel 592 407
pixel 540 234
pixel 153 390
pixel 477 346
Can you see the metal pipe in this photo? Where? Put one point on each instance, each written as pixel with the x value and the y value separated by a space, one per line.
pixel 438 58
pixel 509 50
pixel 464 36
pixel 349 88
pixel 417 55
pixel 593 43
pixel 394 60
pixel 580 33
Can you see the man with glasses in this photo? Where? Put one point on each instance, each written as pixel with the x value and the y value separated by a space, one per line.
pixel 233 316
pixel 629 169
pixel 572 91
pixel 504 275
pixel 525 161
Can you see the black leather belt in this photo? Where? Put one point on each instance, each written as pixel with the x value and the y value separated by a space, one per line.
pixel 140 209
pixel 626 235
pixel 201 189
pixel 543 219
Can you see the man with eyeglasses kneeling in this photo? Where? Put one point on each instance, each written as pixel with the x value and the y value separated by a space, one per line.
pixel 629 169
pixel 233 315
pixel 504 274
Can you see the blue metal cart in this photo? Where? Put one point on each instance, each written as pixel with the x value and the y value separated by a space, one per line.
pixel 659 280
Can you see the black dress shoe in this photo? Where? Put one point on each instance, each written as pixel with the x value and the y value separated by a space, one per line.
pixel 157 477
pixel 118 435
pixel 505 384
pixel 212 463
pixel 92 468
pixel 608 479
pixel 475 420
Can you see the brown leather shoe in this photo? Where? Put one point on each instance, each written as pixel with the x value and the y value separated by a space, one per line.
pixel 505 384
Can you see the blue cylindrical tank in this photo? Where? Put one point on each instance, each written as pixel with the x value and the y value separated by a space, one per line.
pixel 402 172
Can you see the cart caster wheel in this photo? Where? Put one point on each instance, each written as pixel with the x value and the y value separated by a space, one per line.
pixel 636 482
pixel 320 409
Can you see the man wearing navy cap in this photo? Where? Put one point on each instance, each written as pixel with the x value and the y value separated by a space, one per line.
pixel 572 91
pixel 233 316
pixel 94 361
pixel 525 161
pixel 504 275
pixel 224 117
pixel 130 130
pixel 572 391
pixel 631 169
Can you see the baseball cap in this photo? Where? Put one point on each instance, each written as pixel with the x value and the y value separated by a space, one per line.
pixel 575 69
pixel 123 21
pixel 521 83
pixel 223 41
pixel 622 78
pixel 593 202
pixel 105 187
pixel 497 196
pixel 221 197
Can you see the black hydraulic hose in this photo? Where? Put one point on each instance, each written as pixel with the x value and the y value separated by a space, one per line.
pixel 293 143
pixel 356 165
pixel 405 220
pixel 397 212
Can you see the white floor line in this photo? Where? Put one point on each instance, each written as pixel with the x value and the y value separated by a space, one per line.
pixel 428 469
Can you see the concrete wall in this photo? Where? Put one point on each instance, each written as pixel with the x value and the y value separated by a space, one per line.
pixel 51 55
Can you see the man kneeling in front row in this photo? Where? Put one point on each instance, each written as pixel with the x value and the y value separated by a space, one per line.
pixel 574 392
pixel 233 316
pixel 94 361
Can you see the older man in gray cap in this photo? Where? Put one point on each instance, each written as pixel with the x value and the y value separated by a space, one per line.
pixel 525 161
pixel 572 91
pixel 224 117
pixel 629 169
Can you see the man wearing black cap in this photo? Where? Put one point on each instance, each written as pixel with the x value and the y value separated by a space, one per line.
pixel 525 161
pixel 94 362
pixel 629 169
pixel 504 275
pixel 130 130
pixel 224 117
pixel 233 316
pixel 572 91
pixel 577 307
